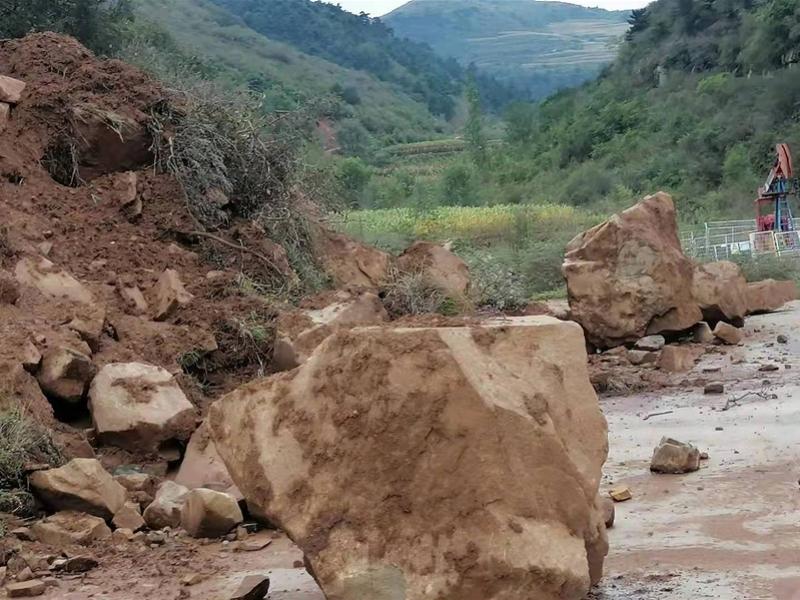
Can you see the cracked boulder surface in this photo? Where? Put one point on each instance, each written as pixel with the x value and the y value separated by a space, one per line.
pixel 459 462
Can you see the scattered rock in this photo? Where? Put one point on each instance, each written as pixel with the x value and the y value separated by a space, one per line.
pixel 676 359
pixel 169 295
pixel 26 589
pixel 11 89
pixel 651 343
pixel 252 587
pixel 432 378
pixel 193 579
pixel 5 116
pixel 641 357
pixel 782 339
pixel 25 575
pixel 769 368
pixel 23 533
pixel 672 456
pixel 65 374
pixel 138 407
pixel 702 333
pixel 80 564
pixel 721 291
pixel 80 485
pixel 439 266
pixel 165 509
pixel 134 299
pixel 202 466
pixel 628 277
pixel 284 356
pixel 609 511
pixel 350 263
pixel 70 528
pixel 210 514
pixel 620 494
pixel 704 456
pixel 128 517
pixel 769 295
pixel 714 387
pixel 728 334
pixel 122 536
pixel 45 277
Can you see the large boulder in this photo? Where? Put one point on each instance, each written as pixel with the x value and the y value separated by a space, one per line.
pixel 438 265
pixel 351 264
pixel 81 485
pixel 11 89
pixel 430 463
pixel 769 295
pixel 138 407
pixel 672 456
pixel 50 281
pixel 628 277
pixel 720 289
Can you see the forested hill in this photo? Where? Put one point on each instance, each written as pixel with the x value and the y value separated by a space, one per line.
pixel 701 92
pixel 363 43
pixel 540 46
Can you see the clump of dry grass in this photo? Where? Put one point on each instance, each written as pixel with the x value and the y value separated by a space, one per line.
pixel 22 442
pixel 414 294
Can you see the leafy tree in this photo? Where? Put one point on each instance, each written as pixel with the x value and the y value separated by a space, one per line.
pixel 520 119
pixel 98 24
pixel 473 130
pixel 353 175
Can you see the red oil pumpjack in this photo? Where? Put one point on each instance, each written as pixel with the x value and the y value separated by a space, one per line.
pixel 773 211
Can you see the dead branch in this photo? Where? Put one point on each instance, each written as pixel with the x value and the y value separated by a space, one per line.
pixel 658 414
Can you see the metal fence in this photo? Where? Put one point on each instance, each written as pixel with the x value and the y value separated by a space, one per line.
pixel 724 240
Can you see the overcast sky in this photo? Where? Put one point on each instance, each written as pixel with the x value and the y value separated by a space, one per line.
pixel 381 7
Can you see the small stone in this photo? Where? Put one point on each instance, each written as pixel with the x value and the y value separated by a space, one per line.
pixel 651 343
pixel 782 339
pixel 252 546
pixel 715 387
pixel 672 456
pixel 718 428
pixel 252 587
pixel 768 368
pixel 728 334
pixel 80 564
pixel 676 359
pixel 170 295
pixel 11 89
pixel 26 589
pixel 192 579
pixel 128 517
pixel 23 533
pixel 620 494
pixel 702 333
pixel 155 538
pixel 25 575
pixel 207 513
pixel 704 456
pixel 122 536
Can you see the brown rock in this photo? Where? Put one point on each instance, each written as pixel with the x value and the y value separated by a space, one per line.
pixel 80 564
pixel 641 357
pixel 30 357
pixel 134 299
pixel 651 343
pixel 26 589
pixel 715 387
pixel 11 89
pixel 609 511
pixel 202 466
pixel 628 277
pixel 80 485
pixel 169 295
pixel 65 374
pixel 672 456
pixel 252 587
pixel 429 418
pixel 676 359
pixel 620 494
pixel 702 333
pixel 210 514
pixel 439 266
pixel 70 528
pixel 284 356
pixel 138 407
pixel 728 334
pixel 137 482
pixel 721 291
pixel 165 509
pixel 350 263
pixel 128 517
pixel 769 295
pixel 122 536
pixel 45 277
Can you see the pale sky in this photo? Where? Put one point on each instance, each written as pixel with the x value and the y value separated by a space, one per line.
pixel 380 7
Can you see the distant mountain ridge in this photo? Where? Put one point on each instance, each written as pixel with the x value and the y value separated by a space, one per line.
pixel 538 45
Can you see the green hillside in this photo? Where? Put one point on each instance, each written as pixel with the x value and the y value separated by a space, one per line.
pixel 539 46
pixel 372 113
